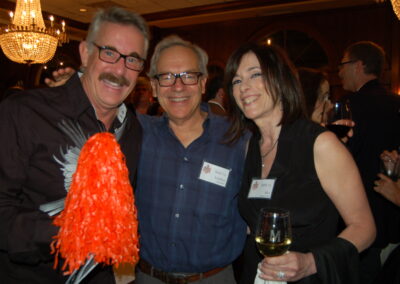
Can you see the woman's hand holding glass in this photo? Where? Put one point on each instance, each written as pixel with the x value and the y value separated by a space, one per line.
pixel 273 239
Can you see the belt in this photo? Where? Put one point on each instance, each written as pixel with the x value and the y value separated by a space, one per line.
pixel 174 278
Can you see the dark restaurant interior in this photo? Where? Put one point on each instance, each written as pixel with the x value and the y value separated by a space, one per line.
pixel 313 32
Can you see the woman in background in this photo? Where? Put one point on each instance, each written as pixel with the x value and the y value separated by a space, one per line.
pixel 316 93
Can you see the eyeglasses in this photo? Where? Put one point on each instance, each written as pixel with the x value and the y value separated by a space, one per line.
pixel 169 79
pixel 341 64
pixel 110 55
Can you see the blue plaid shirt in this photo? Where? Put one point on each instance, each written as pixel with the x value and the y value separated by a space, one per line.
pixel 187 224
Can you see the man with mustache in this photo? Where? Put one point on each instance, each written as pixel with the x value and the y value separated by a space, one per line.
pixel 188 178
pixel 41 134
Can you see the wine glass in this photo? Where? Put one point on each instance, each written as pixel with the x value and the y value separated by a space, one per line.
pixel 338 118
pixel 273 233
pixel 390 166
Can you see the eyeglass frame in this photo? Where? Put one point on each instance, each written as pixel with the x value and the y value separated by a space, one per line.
pixel 178 75
pixel 136 56
pixel 341 64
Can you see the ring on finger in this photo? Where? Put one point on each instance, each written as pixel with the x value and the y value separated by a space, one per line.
pixel 280 274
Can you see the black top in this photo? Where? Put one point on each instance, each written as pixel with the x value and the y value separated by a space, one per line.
pixel 297 188
pixel 376 115
pixel 34 170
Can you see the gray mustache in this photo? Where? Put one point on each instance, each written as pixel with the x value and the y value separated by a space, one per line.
pixel 120 80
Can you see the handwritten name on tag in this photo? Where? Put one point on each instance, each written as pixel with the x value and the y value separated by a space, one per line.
pixel 261 188
pixel 214 174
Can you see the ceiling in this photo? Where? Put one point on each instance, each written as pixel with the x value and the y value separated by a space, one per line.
pixel 172 13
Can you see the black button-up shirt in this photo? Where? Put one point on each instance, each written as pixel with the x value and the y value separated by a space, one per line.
pixel 35 168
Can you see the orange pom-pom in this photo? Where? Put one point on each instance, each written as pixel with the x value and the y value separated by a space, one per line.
pixel 100 216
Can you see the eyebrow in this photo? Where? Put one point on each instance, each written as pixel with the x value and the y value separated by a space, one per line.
pixel 249 69
pixel 134 54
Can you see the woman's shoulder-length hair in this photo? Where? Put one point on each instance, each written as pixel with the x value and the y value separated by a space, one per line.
pixel 281 83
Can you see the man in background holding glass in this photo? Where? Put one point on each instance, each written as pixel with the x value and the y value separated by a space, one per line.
pixel 377 128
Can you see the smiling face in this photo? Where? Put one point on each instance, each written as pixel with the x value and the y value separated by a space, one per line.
pixel 107 85
pixel 249 90
pixel 181 102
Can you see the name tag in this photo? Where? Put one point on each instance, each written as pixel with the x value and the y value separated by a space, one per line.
pixel 214 174
pixel 261 188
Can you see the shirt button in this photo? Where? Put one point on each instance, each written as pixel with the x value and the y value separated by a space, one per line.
pixel 181 187
pixel 185 159
pixel 177 215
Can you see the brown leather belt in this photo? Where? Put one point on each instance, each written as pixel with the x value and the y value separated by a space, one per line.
pixel 174 278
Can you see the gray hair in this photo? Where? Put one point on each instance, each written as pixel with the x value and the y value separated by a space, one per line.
pixel 120 16
pixel 175 40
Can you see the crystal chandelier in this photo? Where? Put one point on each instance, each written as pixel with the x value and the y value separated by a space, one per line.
pixel 26 39
pixel 396 7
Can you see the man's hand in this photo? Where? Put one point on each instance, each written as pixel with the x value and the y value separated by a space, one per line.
pixel 60 77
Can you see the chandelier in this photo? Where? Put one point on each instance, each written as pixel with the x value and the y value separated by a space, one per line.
pixel 26 39
pixel 396 7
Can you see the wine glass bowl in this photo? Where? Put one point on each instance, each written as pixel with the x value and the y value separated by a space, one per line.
pixel 337 118
pixel 273 233
pixel 390 166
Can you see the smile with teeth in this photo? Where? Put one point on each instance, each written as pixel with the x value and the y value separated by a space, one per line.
pixel 180 99
pixel 249 100
pixel 112 84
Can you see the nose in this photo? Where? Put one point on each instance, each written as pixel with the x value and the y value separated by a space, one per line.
pixel 178 84
pixel 119 66
pixel 244 85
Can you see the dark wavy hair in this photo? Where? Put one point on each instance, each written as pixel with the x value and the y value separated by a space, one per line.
pixel 311 80
pixel 281 82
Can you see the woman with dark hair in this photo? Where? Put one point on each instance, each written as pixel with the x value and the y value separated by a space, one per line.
pixel 316 93
pixel 306 169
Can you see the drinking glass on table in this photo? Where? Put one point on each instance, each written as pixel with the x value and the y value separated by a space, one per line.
pixel 273 233
pixel 338 119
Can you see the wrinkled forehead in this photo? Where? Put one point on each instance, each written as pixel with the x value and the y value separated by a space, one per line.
pixel 177 58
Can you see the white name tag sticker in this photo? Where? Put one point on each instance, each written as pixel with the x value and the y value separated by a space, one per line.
pixel 214 174
pixel 261 188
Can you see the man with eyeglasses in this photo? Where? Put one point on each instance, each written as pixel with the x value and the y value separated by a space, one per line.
pixel 188 179
pixel 377 128
pixel 41 135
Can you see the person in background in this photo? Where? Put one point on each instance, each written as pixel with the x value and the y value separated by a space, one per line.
pixel 315 87
pixel 307 169
pixel 141 97
pixel 215 95
pixel 17 88
pixel 386 186
pixel 390 189
pixel 376 115
pixel 316 93
pixel 41 134
pixel 188 180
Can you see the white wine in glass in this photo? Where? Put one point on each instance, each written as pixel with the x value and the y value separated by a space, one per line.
pixel 273 232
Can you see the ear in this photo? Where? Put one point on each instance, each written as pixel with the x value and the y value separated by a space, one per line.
pixel 360 66
pixel 203 82
pixel 84 52
pixel 154 85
